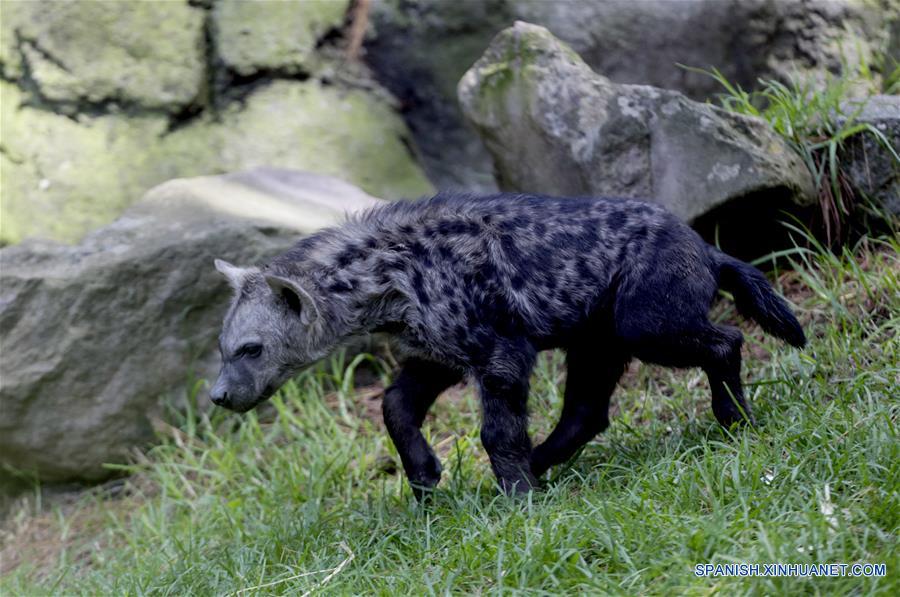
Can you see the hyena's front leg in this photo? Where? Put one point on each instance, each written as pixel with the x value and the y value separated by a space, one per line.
pixel 504 430
pixel 405 404
pixel 591 377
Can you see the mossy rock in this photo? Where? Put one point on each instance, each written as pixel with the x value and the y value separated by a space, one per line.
pixel 146 54
pixel 62 177
pixel 348 133
pixel 258 35
pixel 554 126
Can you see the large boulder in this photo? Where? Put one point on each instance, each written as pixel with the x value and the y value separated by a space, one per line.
pixel 97 336
pixel 420 49
pixel 872 168
pixel 555 126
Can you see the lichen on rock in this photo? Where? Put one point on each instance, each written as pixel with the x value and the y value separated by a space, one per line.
pixel 146 54
pixel 63 177
pixel 348 133
pixel 103 100
pixel 254 35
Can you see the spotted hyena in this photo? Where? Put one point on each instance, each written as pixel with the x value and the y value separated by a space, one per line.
pixel 476 287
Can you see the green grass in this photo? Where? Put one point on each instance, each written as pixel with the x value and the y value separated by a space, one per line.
pixel 306 497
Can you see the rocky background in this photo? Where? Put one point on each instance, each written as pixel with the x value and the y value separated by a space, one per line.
pixel 103 100
pixel 273 125
pixel 420 49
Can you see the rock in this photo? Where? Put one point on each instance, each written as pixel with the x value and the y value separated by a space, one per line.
pixel 98 335
pixel 628 42
pixel 644 42
pixel 348 133
pixel 554 126
pixel 100 101
pixel 145 54
pixel 873 170
pixel 403 52
pixel 64 176
pixel 272 36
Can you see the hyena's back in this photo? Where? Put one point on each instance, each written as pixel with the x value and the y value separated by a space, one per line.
pixel 540 266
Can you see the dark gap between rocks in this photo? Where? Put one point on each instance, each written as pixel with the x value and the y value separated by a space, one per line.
pixel 238 87
pixel 751 226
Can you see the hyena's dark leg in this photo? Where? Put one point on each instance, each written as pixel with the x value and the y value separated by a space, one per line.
pixel 405 403
pixel 714 348
pixel 504 430
pixel 717 350
pixel 723 368
pixel 591 377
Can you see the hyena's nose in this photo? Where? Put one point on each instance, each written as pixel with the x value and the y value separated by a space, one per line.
pixel 219 397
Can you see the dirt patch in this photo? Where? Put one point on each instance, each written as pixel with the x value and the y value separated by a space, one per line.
pixel 74 522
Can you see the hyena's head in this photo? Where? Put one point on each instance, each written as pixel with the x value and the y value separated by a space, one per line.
pixel 266 338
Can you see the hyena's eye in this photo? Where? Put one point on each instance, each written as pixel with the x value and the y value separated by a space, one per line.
pixel 249 350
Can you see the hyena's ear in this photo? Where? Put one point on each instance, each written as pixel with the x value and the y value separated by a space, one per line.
pixel 298 300
pixel 236 275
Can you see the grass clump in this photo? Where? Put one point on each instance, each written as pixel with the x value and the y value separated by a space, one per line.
pixel 816 120
pixel 306 496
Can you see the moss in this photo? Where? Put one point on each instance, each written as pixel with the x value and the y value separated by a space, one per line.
pixel 10 58
pixel 350 134
pixel 61 178
pixel 144 53
pixel 253 36
pixel 512 59
pixel 516 50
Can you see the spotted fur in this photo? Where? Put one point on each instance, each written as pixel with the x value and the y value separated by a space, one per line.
pixel 477 286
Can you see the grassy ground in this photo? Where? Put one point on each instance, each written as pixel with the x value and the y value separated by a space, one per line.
pixel 307 497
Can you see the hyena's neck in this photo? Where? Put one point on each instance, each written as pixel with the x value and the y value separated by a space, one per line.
pixel 361 301
pixel 355 274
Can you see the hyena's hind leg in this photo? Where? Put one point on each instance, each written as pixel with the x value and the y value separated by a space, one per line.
pixel 591 377
pixel 723 369
pixel 714 348
pixel 405 404
pixel 662 318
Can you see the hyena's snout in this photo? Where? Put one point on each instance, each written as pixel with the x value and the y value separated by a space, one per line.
pixel 219 394
pixel 239 395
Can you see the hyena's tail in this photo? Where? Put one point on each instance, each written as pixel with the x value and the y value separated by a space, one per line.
pixel 757 300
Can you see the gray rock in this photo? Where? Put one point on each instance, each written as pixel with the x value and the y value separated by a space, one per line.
pixel 644 42
pixel 638 42
pixel 554 126
pixel 872 168
pixel 96 336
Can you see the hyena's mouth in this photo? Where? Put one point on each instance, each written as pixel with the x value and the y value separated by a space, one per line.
pixel 263 396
